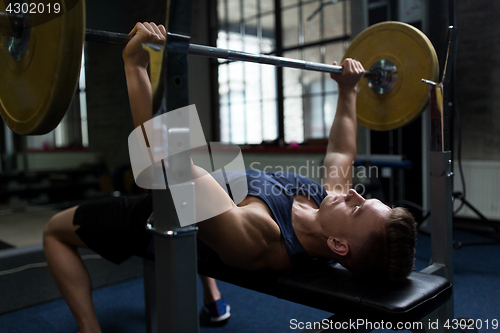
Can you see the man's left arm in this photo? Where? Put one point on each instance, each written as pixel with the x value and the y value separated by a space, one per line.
pixel 341 149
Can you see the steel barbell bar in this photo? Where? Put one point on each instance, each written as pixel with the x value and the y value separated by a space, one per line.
pixel 13 24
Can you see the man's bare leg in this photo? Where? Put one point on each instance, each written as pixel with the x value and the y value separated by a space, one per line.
pixel 60 243
pixel 211 292
pixel 218 310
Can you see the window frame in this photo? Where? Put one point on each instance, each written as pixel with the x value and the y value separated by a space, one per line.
pixel 280 50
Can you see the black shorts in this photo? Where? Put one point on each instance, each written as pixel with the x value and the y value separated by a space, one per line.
pixel 115 228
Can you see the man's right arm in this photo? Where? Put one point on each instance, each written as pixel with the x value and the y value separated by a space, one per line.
pixel 136 61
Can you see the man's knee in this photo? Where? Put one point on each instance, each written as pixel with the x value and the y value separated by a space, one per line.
pixel 50 229
pixel 59 226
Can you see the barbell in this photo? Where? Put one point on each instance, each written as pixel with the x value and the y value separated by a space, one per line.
pixel 40 65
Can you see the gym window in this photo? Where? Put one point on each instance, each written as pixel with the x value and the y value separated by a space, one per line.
pixel 261 103
pixel 72 131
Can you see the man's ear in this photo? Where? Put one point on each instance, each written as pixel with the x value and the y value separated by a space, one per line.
pixel 339 246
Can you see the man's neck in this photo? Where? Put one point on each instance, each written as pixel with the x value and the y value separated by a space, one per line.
pixel 308 230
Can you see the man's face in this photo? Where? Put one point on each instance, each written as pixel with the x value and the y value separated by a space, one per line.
pixel 352 217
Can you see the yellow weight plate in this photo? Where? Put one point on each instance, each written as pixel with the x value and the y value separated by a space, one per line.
pixel 37 89
pixel 414 57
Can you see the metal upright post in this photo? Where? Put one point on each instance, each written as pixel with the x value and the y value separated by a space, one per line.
pixel 176 293
pixel 441 200
pixel 441 185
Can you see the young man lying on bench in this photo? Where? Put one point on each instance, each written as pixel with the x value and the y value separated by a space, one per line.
pixel 284 222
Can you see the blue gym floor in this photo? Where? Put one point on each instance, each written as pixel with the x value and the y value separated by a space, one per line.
pixel 120 307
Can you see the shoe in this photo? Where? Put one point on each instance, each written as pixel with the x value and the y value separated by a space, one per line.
pixel 218 310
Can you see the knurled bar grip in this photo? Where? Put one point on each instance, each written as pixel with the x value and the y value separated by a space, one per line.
pixel 214 52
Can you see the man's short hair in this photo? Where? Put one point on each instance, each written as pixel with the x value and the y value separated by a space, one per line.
pixel 389 253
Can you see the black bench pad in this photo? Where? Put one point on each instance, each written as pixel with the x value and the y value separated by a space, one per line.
pixel 334 289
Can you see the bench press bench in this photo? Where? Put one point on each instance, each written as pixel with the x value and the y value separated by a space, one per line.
pixel 333 289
